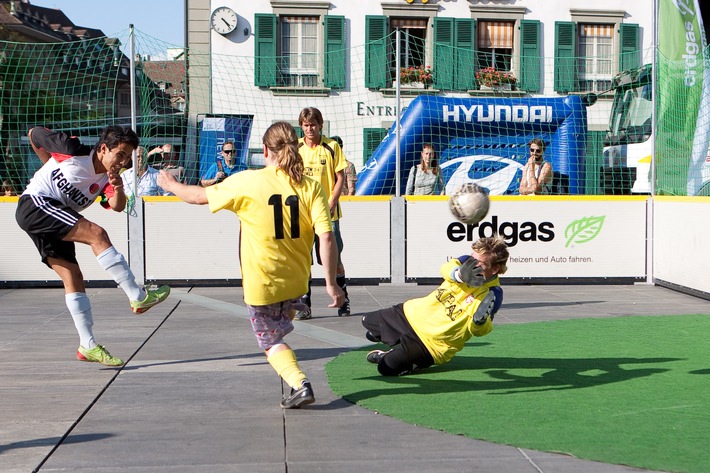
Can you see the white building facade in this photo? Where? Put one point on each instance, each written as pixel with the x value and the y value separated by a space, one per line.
pixel 272 58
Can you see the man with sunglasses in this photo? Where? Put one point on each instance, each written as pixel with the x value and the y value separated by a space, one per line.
pixel 222 168
pixel 537 174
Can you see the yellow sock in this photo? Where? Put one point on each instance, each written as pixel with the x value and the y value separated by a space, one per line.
pixel 285 364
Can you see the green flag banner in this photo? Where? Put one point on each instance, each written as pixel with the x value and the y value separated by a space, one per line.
pixel 683 100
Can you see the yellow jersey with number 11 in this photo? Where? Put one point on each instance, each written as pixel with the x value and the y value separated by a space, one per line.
pixel 278 220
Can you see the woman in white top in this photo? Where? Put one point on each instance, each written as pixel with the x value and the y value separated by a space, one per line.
pixel 424 178
pixel 537 174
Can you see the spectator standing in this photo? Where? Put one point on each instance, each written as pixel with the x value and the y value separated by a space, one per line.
pixel 324 161
pixel 147 177
pixel 169 160
pixel 537 173
pixel 275 260
pixel 350 182
pixel 425 178
pixel 224 167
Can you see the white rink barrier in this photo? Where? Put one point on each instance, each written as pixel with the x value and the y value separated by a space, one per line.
pixel 558 237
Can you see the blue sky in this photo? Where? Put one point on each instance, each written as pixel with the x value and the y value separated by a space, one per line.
pixel 161 19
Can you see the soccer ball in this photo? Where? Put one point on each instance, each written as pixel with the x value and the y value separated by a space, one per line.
pixel 469 203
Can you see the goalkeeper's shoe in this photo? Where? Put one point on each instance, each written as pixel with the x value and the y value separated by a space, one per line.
pixel 375 356
pixel 98 354
pixel 153 297
pixel 299 397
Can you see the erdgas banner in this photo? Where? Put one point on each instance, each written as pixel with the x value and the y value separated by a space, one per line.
pixel 683 124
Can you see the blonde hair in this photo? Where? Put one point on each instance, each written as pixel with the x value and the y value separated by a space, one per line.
pixel 496 247
pixel 282 141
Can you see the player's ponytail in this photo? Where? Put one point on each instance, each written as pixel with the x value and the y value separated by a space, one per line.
pixel 282 141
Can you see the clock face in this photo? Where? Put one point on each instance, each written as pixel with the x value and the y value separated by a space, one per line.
pixel 224 20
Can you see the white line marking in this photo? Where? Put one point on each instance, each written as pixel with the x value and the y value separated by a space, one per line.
pixel 306 329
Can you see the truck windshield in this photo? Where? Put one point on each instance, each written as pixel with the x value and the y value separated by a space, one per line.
pixel 631 115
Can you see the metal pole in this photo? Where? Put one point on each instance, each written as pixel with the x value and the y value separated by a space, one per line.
pixel 136 245
pixel 649 202
pixel 398 156
pixel 398 232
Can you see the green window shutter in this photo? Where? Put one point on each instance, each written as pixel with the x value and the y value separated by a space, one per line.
pixel 565 57
pixel 265 50
pixel 444 53
pixel 530 60
pixel 629 39
pixel 376 64
pixel 465 70
pixel 334 52
pixel 372 137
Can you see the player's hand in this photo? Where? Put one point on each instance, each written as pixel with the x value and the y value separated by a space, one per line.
pixel 337 295
pixel 220 176
pixel 472 274
pixel 165 179
pixel 484 309
pixel 114 178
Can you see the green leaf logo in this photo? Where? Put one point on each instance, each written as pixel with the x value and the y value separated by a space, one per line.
pixel 583 230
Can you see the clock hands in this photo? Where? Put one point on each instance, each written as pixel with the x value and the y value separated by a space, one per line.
pixel 226 23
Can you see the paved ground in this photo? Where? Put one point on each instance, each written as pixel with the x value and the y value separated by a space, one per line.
pixel 197 395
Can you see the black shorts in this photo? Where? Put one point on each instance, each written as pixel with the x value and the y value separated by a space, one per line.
pixel 392 328
pixel 47 221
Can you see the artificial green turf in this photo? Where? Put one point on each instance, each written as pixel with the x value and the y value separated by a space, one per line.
pixel 627 390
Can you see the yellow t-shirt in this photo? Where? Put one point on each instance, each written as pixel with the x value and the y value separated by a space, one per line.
pixel 322 165
pixel 274 247
pixel 443 320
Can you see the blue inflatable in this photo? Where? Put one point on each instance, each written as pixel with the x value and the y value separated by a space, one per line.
pixel 484 140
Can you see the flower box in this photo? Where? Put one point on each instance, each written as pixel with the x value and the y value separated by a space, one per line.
pixel 490 77
pixel 408 76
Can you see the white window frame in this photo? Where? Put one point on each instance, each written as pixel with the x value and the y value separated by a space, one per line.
pixel 299 70
pixel 601 81
pixel 602 17
pixel 318 9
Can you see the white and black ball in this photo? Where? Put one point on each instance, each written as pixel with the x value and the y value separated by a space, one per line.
pixel 469 203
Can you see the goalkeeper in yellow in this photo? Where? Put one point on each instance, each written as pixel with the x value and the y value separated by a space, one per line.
pixel 280 211
pixel 432 329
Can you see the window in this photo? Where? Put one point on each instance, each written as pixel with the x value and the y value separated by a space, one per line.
pixel 299 45
pixel 594 53
pixel 495 44
pixel 414 22
pixel 299 51
pixel 487 39
pixel 412 42
pixel 592 48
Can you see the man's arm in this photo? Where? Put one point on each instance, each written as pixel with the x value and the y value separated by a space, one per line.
pixel 42 154
pixel 337 190
pixel 216 177
pixel 329 257
pixel 190 194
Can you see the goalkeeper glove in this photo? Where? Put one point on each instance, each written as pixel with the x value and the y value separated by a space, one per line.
pixel 484 309
pixel 472 274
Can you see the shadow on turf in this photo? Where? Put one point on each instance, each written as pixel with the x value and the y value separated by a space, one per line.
pixel 508 375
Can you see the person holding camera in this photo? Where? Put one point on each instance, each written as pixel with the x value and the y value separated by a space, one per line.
pixel 537 174
pixel 222 168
